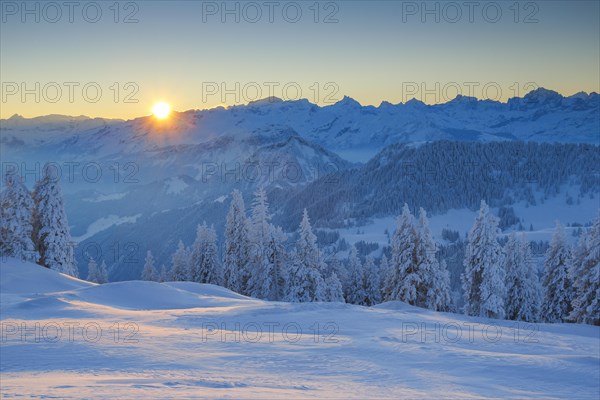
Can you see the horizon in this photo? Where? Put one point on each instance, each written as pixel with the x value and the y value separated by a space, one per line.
pixel 272 100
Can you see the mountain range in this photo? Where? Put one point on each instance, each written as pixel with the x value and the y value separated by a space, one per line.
pixel 122 179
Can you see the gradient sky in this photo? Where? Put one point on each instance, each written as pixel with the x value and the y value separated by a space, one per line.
pixel 374 52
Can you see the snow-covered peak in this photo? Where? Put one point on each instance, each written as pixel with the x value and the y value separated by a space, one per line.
pixel 415 103
pixel 347 102
pixel 265 101
pixel 543 96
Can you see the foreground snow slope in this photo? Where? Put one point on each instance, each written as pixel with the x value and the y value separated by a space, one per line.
pixel 184 340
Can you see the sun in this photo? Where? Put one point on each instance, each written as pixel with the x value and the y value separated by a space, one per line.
pixel 161 110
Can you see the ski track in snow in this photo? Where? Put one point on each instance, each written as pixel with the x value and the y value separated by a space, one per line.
pixel 185 346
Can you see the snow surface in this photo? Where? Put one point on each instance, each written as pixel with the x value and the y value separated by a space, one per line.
pixel 107 197
pixel 179 340
pixel 175 185
pixel 104 223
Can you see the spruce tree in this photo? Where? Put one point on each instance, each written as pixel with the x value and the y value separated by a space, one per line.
pixel 102 273
pixel 259 282
pixel 333 289
pixel 523 295
pixel 149 272
pixel 163 275
pixel 237 246
pixel 180 264
pixel 304 278
pixel 586 277
pixel 371 282
pixel 438 296
pixel 355 291
pixel 93 275
pixel 558 296
pixel 339 268
pixel 384 273
pixel 16 220
pixel 434 289
pixel 50 226
pixel 274 285
pixel 204 265
pixel 403 278
pixel 483 278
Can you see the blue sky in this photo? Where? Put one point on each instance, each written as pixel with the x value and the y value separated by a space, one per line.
pixel 183 53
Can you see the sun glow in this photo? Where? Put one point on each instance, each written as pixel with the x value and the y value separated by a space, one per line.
pixel 161 110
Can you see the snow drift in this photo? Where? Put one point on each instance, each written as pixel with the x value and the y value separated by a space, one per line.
pixel 186 340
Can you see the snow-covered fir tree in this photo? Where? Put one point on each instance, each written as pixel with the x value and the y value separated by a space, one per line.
pixel 333 283
pixel 97 274
pixel 512 268
pixel 50 226
pixel 333 289
pixel 577 273
pixel 149 272
pixel 439 296
pixel 335 266
pixel 484 276
pixel 355 290
pixel 16 220
pixel 180 264
pixel 523 293
pixel 260 280
pixel 384 273
pixel 558 295
pixel 304 279
pixel 303 284
pixel 102 273
pixel 277 258
pixel 163 275
pixel 371 282
pixel 204 263
pixel 306 246
pixel 260 218
pixel 237 246
pixel 434 290
pixel 585 274
pixel 424 261
pixel 93 275
pixel 403 278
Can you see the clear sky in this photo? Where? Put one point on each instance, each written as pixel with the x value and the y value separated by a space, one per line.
pixel 194 54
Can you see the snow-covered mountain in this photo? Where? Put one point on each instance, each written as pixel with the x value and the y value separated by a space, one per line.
pixel 445 175
pixel 123 179
pixel 24 137
pixel 358 131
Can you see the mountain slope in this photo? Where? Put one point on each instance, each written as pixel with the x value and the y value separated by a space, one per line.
pixel 188 340
pixel 446 175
